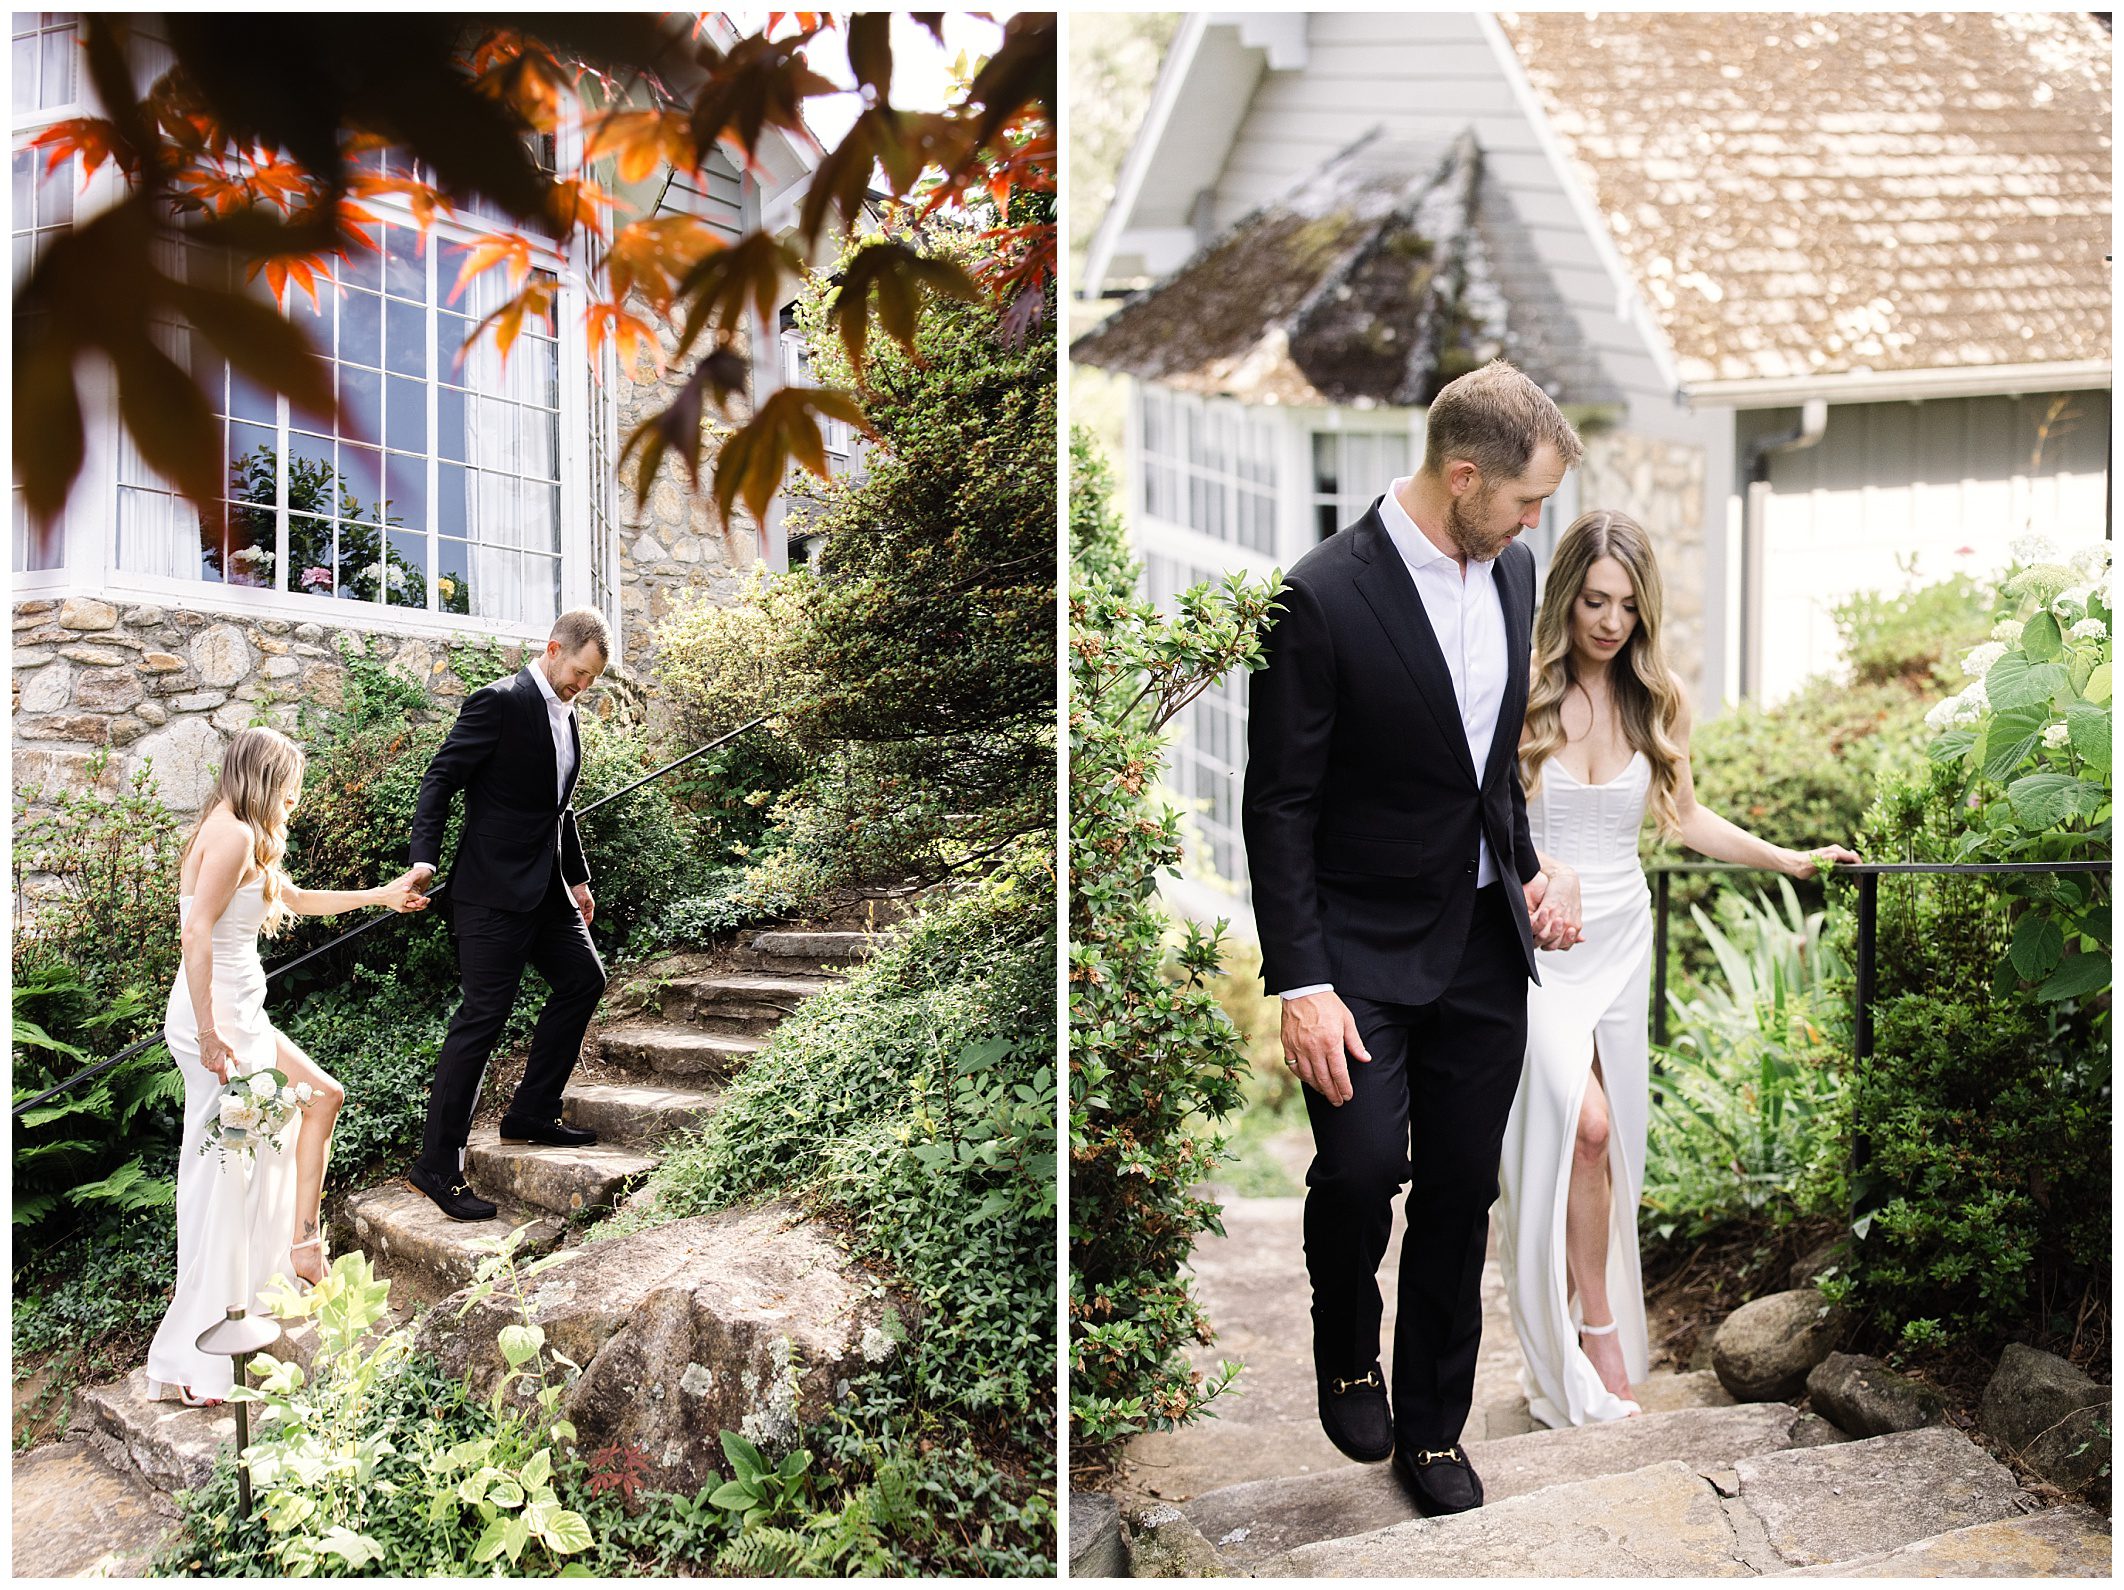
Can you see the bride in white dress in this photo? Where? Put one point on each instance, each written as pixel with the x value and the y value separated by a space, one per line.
pixel 1606 737
pixel 242 1220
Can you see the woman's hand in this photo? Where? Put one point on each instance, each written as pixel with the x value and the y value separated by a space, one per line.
pixel 402 894
pixel 1805 863
pixel 1556 920
pixel 216 1056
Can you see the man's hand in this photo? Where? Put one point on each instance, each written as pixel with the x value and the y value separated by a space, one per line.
pixel 1555 908
pixel 1318 1030
pixel 583 902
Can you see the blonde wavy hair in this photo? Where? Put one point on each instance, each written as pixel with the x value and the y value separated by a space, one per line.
pixel 256 770
pixel 1646 694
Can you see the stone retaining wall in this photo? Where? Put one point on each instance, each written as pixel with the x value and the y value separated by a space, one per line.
pixel 172 684
pixel 1661 485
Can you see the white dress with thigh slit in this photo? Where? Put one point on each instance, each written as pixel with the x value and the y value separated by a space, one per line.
pixel 1591 998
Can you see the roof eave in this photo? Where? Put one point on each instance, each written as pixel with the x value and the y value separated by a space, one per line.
pixel 1891 386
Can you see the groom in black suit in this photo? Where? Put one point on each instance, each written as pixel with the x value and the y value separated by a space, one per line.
pixel 1393 879
pixel 519 895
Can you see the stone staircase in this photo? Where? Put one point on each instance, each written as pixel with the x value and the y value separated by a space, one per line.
pixel 653 1065
pixel 1698 1487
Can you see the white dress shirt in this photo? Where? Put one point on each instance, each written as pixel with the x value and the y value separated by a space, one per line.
pixel 558 712
pixel 1467 617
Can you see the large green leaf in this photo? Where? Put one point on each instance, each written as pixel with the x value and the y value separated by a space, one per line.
pixel 2077 975
pixel 2008 739
pixel 2045 800
pixel 2038 946
pixel 2096 689
pixel 2040 638
pixel 2089 727
pixel 2014 682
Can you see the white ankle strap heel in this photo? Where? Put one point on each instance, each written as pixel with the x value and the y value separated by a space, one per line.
pixel 1608 1329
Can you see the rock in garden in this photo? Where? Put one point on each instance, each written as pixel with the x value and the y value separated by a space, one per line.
pixel 2032 1390
pixel 749 1320
pixel 1763 1351
pixel 1162 1544
pixel 1096 1550
pixel 2073 1454
pixel 1863 1396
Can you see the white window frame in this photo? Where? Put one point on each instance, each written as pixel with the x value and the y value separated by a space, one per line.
pixel 1205 445
pixel 1340 424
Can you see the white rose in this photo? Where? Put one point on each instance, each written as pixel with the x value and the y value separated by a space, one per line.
pixel 1978 662
pixel 263 1086
pixel 2035 549
pixel 2007 631
pixel 304 1092
pixel 232 1110
pixel 2090 629
pixel 2056 736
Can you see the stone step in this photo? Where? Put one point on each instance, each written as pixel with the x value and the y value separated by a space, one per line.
pixel 402 1231
pixel 562 1180
pixel 75 1515
pixel 1254 1522
pixel 672 1049
pixel 166 1444
pixel 622 1112
pixel 806 952
pixel 2057 1543
pixel 752 1001
pixel 1795 1508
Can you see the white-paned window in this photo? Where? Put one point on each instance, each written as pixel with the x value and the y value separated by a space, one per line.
pixel 47 61
pixel 1350 469
pixel 437 488
pixel 1210 466
pixel 1206 755
pixel 43 208
pixel 838 435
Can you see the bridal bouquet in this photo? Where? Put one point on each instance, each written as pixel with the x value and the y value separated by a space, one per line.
pixel 252 1109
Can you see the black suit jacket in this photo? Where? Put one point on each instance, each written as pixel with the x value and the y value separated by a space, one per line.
pixel 1362 809
pixel 500 752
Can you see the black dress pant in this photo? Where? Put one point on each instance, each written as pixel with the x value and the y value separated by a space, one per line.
pixel 1429 1109
pixel 493 948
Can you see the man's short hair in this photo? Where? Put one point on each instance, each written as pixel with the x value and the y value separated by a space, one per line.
pixel 1495 418
pixel 580 627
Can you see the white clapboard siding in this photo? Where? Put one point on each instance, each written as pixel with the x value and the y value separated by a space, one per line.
pixel 1890 482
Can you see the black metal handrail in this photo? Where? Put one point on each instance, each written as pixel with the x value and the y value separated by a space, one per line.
pixel 1866 972
pixel 131 1049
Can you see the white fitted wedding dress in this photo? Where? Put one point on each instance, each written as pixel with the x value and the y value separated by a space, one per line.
pixel 1592 997
pixel 235 1215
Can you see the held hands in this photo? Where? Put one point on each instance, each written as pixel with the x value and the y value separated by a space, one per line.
pixel 1318 1030
pixel 402 894
pixel 1805 863
pixel 1555 909
pixel 583 902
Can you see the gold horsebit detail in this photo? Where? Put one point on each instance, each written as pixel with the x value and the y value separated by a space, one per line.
pixel 1369 1378
pixel 1424 1460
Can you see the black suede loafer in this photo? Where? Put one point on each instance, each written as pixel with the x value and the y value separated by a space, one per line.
pixel 521 1129
pixel 1439 1481
pixel 1354 1413
pixel 452 1195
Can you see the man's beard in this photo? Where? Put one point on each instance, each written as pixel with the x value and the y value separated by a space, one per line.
pixel 1464 528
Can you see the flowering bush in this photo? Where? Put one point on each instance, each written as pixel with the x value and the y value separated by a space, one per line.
pixel 2028 738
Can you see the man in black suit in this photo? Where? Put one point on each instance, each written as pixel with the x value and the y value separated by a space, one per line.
pixel 519 895
pixel 1393 880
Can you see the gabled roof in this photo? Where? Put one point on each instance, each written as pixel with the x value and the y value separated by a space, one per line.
pixel 1815 195
pixel 1382 275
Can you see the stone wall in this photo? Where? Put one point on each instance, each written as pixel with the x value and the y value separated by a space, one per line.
pixel 1660 484
pixel 172 684
pixel 672 541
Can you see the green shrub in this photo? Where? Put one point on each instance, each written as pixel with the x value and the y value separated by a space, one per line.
pixel 1911 637
pixel 1152 1057
pixel 1749 1113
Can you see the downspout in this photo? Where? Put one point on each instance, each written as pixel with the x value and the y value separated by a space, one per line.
pixel 1814 421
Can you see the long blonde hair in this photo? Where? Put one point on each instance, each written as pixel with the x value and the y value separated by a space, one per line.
pixel 1646 694
pixel 256 770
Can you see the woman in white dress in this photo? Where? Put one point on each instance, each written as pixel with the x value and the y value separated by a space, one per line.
pixel 1607 735
pixel 241 1220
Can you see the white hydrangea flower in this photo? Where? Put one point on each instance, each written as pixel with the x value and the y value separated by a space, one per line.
pixel 2007 631
pixel 2073 600
pixel 2056 736
pixel 1971 704
pixel 1942 713
pixel 2090 629
pixel 2091 561
pixel 2035 549
pixel 1978 662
